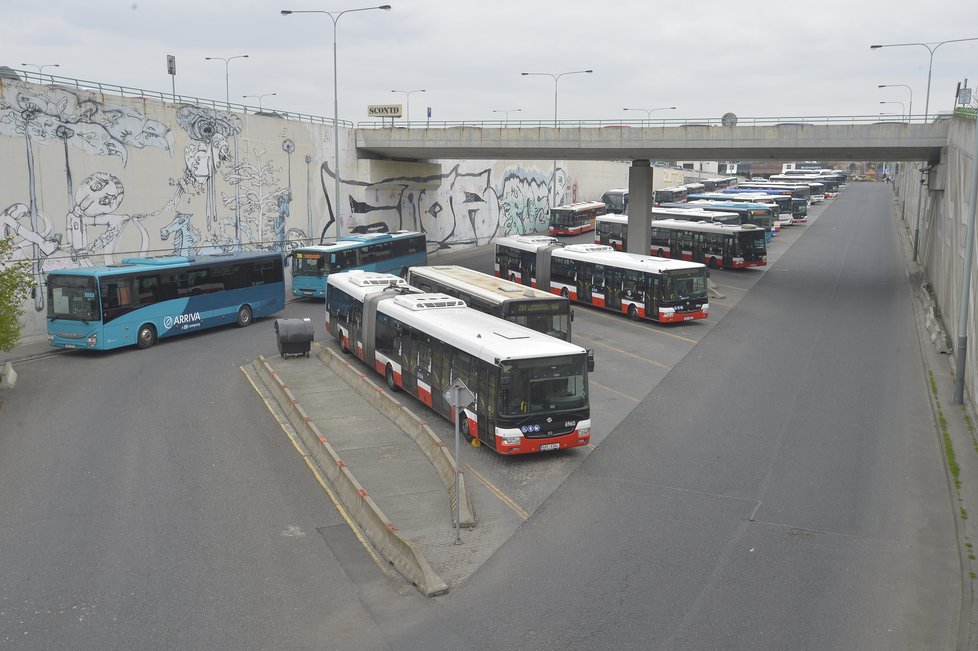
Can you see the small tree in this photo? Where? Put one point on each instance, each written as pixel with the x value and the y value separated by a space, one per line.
pixel 15 285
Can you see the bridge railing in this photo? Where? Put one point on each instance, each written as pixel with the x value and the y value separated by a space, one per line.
pixel 802 120
pixel 70 83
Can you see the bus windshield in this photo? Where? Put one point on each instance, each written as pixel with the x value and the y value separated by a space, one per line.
pixel 308 264
pixel 544 384
pixel 72 297
pixel 683 285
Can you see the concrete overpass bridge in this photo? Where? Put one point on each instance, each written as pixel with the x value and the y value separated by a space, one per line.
pixel 827 138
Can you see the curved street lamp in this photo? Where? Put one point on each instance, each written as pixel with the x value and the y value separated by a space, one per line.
pixel 335 17
pixel 556 77
pixel 407 100
pixel 910 111
pixel 648 112
pixel 259 97
pixel 931 47
pixel 227 63
pixel 903 107
pixel 41 67
pixel 507 112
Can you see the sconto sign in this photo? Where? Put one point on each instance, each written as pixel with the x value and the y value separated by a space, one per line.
pixel 384 110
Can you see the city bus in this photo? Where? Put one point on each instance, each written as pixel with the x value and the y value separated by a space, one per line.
pixel 142 300
pixel 800 195
pixel 575 218
pixel 615 200
pixel 676 194
pixel 527 306
pixel 829 185
pixel 384 252
pixel 750 209
pixel 530 390
pixel 719 183
pixel 782 201
pixel 643 287
pixel 715 245
pixel 734 213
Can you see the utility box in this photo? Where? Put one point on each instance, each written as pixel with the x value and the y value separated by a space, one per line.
pixel 294 336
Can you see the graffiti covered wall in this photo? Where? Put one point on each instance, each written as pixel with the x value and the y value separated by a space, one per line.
pixel 91 178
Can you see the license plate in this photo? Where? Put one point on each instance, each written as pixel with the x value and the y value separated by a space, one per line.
pixel 550 446
pixel 687 318
pixel 307 292
pixel 69 345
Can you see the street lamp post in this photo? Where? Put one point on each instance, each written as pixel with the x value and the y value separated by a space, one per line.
pixel 910 111
pixel 903 107
pixel 556 77
pixel 931 48
pixel 227 78
pixel 648 112
pixel 507 112
pixel 335 17
pixel 407 101
pixel 41 67
pixel 259 97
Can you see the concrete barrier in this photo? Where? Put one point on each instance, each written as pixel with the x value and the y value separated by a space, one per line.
pixel 390 543
pixel 438 454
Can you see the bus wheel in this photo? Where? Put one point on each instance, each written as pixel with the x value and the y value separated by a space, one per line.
pixel 633 313
pixel 713 264
pixel 661 253
pixel 244 316
pixel 341 342
pixel 390 379
pixel 512 278
pixel 564 292
pixel 146 336
pixel 465 428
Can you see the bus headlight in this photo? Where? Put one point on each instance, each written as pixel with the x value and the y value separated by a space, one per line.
pixel 50 339
pixel 584 431
pixel 92 339
pixel 512 440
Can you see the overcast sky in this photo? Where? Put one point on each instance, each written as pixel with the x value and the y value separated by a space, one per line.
pixel 752 58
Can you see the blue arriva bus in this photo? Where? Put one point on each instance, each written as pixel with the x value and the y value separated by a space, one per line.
pixel 381 252
pixel 142 300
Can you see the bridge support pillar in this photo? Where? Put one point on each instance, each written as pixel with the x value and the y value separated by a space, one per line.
pixel 640 199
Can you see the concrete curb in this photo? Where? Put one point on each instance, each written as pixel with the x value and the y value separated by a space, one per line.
pixel 400 551
pixel 432 447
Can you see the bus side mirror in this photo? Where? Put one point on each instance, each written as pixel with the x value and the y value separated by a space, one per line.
pixel 505 380
pixel 590 359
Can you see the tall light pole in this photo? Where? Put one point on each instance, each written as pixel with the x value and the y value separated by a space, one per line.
pixel 507 112
pixel 227 77
pixel 931 47
pixel 259 97
pixel 407 100
pixel 41 67
pixel 556 77
pixel 903 107
pixel 335 17
pixel 648 112
pixel 910 111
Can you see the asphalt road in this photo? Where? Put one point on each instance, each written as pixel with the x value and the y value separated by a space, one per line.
pixel 768 479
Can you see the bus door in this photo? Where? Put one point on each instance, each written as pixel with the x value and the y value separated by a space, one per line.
pixel 585 271
pixel 691 242
pixel 652 292
pixel 613 279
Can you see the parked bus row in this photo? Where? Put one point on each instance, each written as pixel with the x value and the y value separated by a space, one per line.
pixel 530 390
pixel 639 286
pixel 730 246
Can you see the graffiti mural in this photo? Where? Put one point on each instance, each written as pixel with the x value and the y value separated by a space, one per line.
pixel 90 179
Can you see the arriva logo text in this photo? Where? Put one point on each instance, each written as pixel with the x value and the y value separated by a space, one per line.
pixel 185 320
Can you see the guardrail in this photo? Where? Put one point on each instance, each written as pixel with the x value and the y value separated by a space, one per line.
pixel 766 121
pixel 71 83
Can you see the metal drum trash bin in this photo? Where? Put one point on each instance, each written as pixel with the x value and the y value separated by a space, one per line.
pixel 294 336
